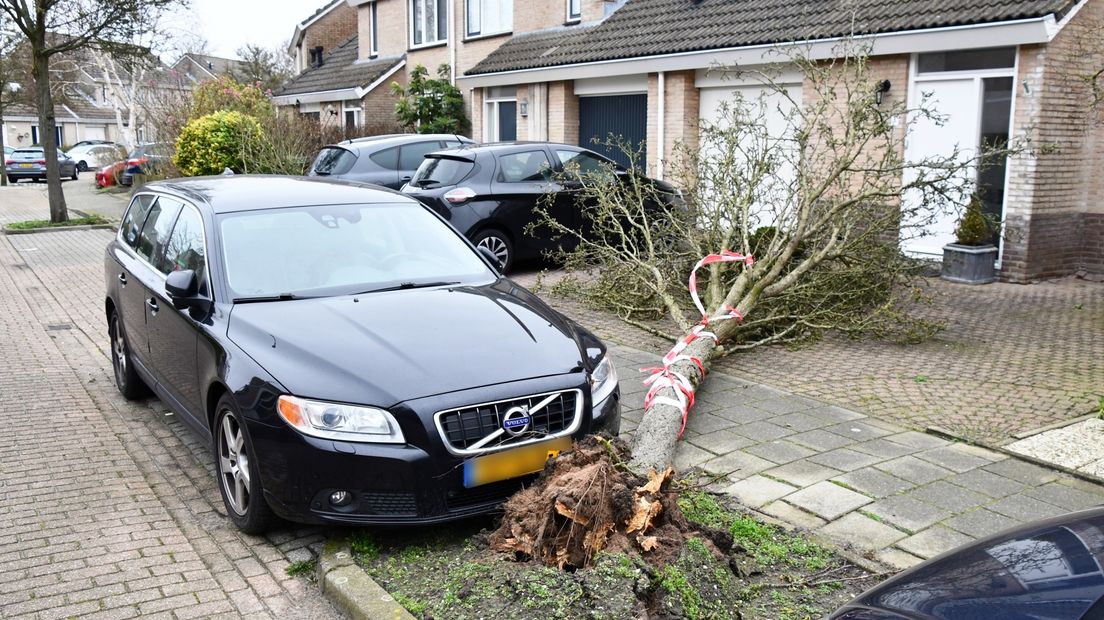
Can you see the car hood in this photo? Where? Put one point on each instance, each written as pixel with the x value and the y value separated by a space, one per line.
pixel 383 348
pixel 1045 569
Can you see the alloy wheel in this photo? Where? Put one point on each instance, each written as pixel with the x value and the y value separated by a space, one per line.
pixel 497 247
pixel 118 352
pixel 233 464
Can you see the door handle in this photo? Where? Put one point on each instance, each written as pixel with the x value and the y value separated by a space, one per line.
pixel 122 279
pixel 406 178
pixel 152 303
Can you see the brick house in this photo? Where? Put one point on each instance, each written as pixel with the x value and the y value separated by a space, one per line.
pixel 348 84
pixel 571 70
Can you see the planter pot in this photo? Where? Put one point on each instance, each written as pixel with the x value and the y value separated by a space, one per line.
pixel 969 264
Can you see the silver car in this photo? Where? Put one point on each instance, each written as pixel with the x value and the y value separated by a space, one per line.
pixel 30 163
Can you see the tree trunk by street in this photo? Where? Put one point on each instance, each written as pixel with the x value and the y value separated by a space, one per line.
pixel 47 135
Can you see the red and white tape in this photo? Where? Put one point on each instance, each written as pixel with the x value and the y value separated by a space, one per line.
pixel 665 376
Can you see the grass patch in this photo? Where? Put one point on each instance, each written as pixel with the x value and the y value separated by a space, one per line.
pixel 301 568
pixel 363 545
pixel 769 545
pixel 88 220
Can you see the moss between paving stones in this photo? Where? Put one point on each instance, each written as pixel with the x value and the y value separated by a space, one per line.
pixel 448 572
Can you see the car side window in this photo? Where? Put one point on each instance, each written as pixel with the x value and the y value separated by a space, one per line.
pixel 581 162
pixel 135 215
pixel 185 248
pixel 387 158
pixel 526 166
pixel 411 155
pixel 155 232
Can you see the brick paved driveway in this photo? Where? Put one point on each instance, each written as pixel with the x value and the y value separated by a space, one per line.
pixel 109 507
pixel 1011 358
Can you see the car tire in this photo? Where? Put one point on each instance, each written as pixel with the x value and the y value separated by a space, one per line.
pixel 127 380
pixel 499 244
pixel 82 166
pixel 239 479
pixel 76 173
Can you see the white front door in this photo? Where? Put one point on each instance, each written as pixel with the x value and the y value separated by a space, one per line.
pixel 958 102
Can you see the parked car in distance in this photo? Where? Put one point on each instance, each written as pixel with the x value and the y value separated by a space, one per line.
pixel 145 159
pixel 388 160
pixel 1045 570
pixel 307 329
pixel 30 163
pixel 95 155
pixel 488 192
pixel 8 151
pixel 90 143
pixel 110 174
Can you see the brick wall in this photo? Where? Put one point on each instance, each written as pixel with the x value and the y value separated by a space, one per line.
pixel 680 122
pixel 563 113
pixel 330 31
pixel 530 15
pixel 378 116
pixel 1053 207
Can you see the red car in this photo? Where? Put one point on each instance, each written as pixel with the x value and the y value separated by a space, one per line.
pixel 109 175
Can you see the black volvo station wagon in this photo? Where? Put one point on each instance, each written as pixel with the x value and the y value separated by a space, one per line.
pixel 350 357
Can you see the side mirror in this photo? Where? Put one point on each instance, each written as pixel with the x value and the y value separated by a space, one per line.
pixel 181 287
pixel 491 258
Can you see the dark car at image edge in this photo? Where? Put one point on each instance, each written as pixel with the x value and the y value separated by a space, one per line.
pixel 349 357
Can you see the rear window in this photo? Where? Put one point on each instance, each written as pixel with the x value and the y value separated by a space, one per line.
pixel 437 171
pixel 411 155
pixel 28 154
pixel 333 160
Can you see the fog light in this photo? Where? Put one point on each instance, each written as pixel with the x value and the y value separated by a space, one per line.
pixel 341 498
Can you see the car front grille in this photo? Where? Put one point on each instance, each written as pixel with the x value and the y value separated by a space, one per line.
pixel 389 503
pixel 550 415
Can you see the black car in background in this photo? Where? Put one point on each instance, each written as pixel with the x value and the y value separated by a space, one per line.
pixel 389 161
pixel 146 159
pixel 488 192
pixel 1045 570
pixel 348 355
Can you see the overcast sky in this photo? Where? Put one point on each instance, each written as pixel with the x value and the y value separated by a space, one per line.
pixel 229 24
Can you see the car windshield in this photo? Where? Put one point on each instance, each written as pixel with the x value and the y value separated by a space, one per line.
pixel 436 171
pixel 342 249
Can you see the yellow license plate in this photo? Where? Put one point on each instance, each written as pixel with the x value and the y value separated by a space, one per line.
pixel 26 165
pixel 512 463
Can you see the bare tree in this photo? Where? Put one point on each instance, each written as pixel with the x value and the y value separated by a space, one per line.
pixel 12 71
pixel 124 76
pixel 53 27
pixel 268 67
pixel 799 205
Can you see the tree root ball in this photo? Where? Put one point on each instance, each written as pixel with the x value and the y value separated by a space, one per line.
pixel 586 502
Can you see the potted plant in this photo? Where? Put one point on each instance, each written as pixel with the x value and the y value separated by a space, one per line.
pixel 972 259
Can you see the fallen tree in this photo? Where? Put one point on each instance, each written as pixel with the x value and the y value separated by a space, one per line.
pixel 789 222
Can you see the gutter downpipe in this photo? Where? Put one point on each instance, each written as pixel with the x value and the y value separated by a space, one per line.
pixel 453 42
pixel 661 131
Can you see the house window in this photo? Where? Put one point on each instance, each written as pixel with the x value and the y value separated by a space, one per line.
pixel 967 60
pixel 57 132
pixel 574 10
pixel 374 33
pixel 500 114
pixel 352 119
pixel 430 21
pixel 490 16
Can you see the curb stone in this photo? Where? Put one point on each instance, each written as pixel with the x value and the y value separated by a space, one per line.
pixel 350 588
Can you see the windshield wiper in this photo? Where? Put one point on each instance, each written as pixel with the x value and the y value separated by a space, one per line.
pixel 406 285
pixel 280 297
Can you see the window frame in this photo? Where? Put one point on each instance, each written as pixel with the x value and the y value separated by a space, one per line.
pixel 411 6
pixel 373 30
pixel 572 14
pixel 482 7
pixel 202 278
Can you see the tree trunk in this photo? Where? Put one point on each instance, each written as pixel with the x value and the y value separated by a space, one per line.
pixel 655 440
pixel 47 134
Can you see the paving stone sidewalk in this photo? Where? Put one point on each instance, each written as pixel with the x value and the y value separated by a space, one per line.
pixel 109 507
pixel 889 493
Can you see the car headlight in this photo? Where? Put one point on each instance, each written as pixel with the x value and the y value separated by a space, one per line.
pixel 603 381
pixel 340 422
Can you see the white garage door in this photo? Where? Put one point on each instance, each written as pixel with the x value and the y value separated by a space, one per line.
pixel 95 132
pixel 771 108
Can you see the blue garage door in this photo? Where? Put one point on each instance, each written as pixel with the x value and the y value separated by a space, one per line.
pixel 621 115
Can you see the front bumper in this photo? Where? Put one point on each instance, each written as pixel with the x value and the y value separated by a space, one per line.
pixel 416 483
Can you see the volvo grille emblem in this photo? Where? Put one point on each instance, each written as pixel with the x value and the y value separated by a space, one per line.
pixel 516 421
